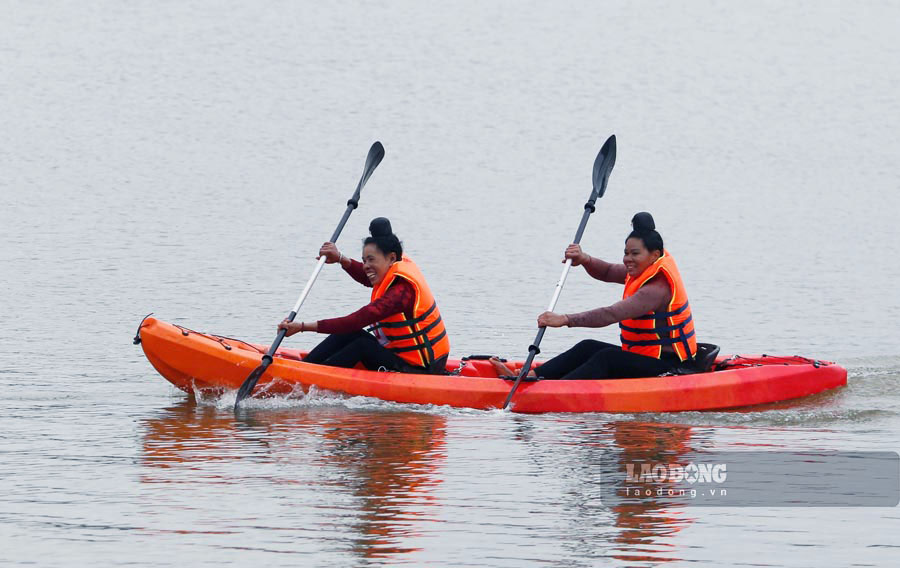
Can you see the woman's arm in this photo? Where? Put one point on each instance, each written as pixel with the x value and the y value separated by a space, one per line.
pixel 355 269
pixel 606 271
pixel 398 298
pixel 597 268
pixel 650 297
pixel 352 267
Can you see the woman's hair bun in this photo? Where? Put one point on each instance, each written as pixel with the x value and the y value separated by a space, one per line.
pixel 380 227
pixel 641 222
pixel 645 229
pixel 383 237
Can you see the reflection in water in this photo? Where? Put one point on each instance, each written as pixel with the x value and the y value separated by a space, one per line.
pixel 639 531
pixel 387 462
pixel 391 463
pixel 650 523
pixel 376 484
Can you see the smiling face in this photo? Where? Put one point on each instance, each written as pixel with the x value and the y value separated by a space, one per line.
pixel 376 263
pixel 637 258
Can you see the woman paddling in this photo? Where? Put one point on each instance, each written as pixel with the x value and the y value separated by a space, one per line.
pixel 409 335
pixel 657 330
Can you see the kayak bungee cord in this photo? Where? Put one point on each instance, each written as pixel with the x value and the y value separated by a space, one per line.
pixel 376 154
pixel 603 166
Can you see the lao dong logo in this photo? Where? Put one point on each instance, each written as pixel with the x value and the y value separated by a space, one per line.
pixel 674 473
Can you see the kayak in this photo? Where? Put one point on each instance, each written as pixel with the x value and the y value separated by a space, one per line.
pixel 212 364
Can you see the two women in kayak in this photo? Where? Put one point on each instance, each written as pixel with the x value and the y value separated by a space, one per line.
pixel 407 333
pixel 654 316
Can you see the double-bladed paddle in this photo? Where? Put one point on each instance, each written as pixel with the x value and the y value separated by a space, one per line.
pixel 376 153
pixel 603 165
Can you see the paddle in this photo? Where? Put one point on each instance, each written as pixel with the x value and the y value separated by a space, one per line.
pixel 376 154
pixel 603 165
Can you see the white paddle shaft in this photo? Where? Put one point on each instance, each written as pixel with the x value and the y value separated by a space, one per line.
pixel 559 285
pixel 312 279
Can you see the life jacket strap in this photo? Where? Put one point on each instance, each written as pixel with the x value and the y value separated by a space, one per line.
pixel 676 327
pixel 424 331
pixel 408 322
pixel 424 346
pixel 663 315
pixel 657 342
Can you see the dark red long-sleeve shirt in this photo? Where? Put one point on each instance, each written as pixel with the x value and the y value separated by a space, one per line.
pixel 400 297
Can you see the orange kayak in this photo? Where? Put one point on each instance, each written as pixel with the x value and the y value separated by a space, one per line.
pixel 211 364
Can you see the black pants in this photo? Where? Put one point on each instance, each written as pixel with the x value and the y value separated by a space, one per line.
pixel 348 349
pixel 591 359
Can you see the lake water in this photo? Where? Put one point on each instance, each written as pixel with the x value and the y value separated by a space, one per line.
pixel 188 158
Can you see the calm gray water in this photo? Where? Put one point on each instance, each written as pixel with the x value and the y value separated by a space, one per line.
pixel 188 158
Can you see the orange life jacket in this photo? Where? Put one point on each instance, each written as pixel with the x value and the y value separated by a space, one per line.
pixel 422 339
pixel 647 334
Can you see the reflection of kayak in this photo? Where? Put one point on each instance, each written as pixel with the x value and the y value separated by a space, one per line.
pixel 196 361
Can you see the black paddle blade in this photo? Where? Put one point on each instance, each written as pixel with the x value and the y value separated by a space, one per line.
pixel 603 165
pixel 376 154
pixel 250 382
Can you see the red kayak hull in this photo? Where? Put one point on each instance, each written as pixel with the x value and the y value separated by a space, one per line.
pixel 194 361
